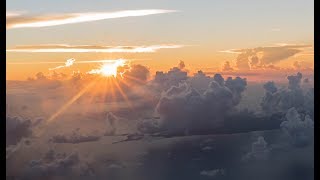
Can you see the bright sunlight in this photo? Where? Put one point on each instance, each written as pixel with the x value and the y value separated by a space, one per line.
pixel 111 69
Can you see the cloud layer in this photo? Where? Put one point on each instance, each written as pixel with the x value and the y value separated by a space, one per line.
pixel 64 48
pixel 16 20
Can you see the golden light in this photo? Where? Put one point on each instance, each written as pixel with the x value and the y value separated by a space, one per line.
pixel 111 69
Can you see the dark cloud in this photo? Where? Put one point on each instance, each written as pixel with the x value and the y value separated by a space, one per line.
pixel 16 129
pixel 213 173
pixel 51 166
pixel 300 131
pixel 270 87
pixel 183 107
pixel 74 138
pixel 173 77
pixel 200 81
pixel 137 74
pixel 280 100
pixel 259 150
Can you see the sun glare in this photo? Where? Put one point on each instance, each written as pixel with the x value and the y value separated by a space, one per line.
pixel 111 69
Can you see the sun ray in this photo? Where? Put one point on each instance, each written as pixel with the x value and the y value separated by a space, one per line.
pixel 123 94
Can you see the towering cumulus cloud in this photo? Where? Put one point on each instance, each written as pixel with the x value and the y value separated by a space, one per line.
pixel 280 100
pixel 263 57
pixel 173 77
pixel 183 108
pixel 300 131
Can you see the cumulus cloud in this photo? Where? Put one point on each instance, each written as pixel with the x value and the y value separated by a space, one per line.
pixel 181 65
pixel 31 21
pixel 68 63
pixel 259 150
pixel 200 81
pixel 111 124
pixel 51 166
pixel 65 48
pixel 174 76
pixel 227 66
pixel 16 129
pixel 280 100
pixel 136 73
pixel 300 131
pixel 74 138
pixel 183 108
pixel 262 57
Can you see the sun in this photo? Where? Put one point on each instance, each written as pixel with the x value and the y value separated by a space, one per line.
pixel 111 69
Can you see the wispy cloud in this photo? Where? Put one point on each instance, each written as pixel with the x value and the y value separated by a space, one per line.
pixel 68 63
pixel 76 62
pixel 20 20
pixel 63 48
pixel 275 29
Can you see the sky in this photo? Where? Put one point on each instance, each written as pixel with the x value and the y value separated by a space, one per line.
pixel 201 33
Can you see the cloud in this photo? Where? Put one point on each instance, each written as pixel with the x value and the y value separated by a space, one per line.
pixel 259 150
pixel 280 100
pixel 33 21
pixel 75 138
pixel 213 173
pixel 137 73
pixel 111 124
pixel 78 62
pixel 51 165
pixel 16 129
pixel 181 65
pixel 67 64
pixel 64 48
pixel 200 81
pixel 300 131
pixel 183 108
pixel 174 76
pixel 262 57
pixel 275 29
pixel 227 66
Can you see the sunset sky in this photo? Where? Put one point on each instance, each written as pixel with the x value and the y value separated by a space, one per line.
pixel 204 34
